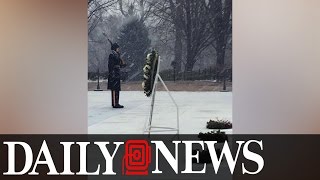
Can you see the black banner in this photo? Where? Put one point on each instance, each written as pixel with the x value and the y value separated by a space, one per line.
pixel 206 156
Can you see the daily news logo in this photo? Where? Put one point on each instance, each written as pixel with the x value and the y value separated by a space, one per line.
pixel 136 157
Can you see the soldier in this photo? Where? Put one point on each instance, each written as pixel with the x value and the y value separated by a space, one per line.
pixel 114 64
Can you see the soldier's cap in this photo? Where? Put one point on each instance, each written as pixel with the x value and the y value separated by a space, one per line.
pixel 114 46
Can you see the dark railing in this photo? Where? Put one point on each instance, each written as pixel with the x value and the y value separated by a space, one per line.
pixel 171 75
pixel 204 74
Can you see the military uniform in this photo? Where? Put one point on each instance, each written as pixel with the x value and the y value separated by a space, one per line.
pixel 114 76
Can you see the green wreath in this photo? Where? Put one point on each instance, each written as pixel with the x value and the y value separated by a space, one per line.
pixel 150 72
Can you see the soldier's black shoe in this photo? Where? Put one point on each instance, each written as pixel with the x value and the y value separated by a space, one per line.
pixel 118 106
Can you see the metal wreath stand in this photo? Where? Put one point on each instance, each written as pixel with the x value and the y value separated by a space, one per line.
pixel 149 128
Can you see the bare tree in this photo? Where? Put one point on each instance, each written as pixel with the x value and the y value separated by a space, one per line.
pixel 192 28
pixel 168 14
pixel 196 27
pixel 222 26
pixel 95 8
pixel 141 8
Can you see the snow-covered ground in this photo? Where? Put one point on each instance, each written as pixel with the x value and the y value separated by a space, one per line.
pixel 196 109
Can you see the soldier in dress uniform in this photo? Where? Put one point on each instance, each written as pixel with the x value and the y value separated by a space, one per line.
pixel 114 64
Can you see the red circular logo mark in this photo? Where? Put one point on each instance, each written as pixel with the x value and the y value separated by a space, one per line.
pixel 137 158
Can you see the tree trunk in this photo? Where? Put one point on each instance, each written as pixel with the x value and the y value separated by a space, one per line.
pixel 190 58
pixel 178 49
pixel 177 14
pixel 179 36
pixel 190 62
pixel 222 32
pixel 189 66
pixel 221 49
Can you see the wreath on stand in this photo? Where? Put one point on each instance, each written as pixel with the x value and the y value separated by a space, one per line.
pixel 149 72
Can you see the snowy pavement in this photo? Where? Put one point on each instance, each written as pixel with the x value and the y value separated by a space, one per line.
pixel 196 109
